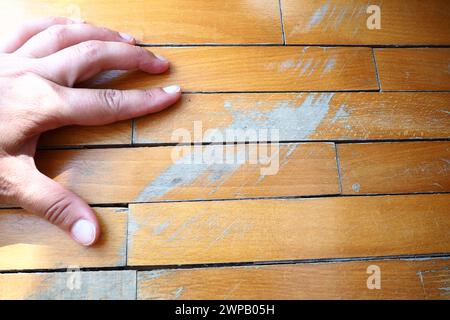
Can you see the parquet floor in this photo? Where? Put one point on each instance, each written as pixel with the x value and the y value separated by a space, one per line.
pixel 363 184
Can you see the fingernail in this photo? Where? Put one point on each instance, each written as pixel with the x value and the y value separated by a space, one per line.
pixel 160 57
pixel 126 36
pixel 83 231
pixel 172 89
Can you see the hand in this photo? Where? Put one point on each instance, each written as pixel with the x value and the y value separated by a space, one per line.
pixel 39 64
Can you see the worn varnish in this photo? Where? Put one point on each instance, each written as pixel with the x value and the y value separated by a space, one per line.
pixel 272 230
pixel 414 68
pixel 29 242
pixel 303 116
pixel 395 167
pixel 113 134
pixel 259 68
pixel 151 174
pixel 412 22
pixel 163 22
pixel 400 279
pixel 71 285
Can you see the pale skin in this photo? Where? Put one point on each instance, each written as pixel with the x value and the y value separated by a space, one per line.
pixel 39 65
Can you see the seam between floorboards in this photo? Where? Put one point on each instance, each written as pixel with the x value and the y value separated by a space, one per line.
pixel 283 34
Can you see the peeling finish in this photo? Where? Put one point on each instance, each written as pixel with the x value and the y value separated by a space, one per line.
pixel 98 285
pixel 290 119
pixel 185 171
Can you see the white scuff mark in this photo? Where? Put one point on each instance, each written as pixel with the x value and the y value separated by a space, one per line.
pixel 341 114
pixel 158 229
pixel 292 120
pixel 317 17
pixel 178 292
pixel 331 62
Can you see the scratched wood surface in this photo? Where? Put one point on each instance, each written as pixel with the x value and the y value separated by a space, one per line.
pixel 303 116
pixel 259 68
pixel 400 279
pixel 414 68
pixel 185 173
pixel 395 167
pixel 115 134
pixel 71 285
pixel 412 22
pixel 345 147
pixel 163 21
pixel 29 242
pixel 255 230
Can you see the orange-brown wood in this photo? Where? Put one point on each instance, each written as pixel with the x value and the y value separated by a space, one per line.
pixel 395 167
pixel 400 279
pixel 259 69
pixel 114 134
pixel 412 22
pixel 305 116
pixel 29 242
pixel 272 230
pixel 163 22
pixel 414 68
pixel 151 174
pixel 75 284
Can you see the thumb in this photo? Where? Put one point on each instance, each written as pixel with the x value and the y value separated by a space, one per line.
pixel 48 199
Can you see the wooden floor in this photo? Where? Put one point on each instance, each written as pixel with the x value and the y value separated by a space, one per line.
pixel 364 179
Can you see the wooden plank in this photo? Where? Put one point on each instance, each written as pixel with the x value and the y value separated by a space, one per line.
pixel 163 22
pixel 258 69
pixel 305 116
pixel 272 230
pixel 114 134
pixel 29 242
pixel 72 285
pixel 177 173
pixel 414 68
pixel 400 279
pixel 395 167
pixel 412 22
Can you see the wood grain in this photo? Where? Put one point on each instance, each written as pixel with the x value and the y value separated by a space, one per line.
pixel 114 134
pixel 72 285
pixel 257 68
pixel 414 68
pixel 400 279
pixel 305 116
pixel 29 242
pixel 149 174
pixel 273 230
pixel 163 22
pixel 395 167
pixel 412 22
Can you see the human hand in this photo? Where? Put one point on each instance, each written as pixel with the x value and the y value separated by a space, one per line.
pixel 39 64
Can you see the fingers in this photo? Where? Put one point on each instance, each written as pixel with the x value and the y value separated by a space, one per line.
pixel 98 107
pixel 84 60
pixel 58 37
pixel 45 197
pixel 17 38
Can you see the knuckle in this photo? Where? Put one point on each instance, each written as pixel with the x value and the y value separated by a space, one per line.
pixel 58 211
pixel 91 48
pixel 57 33
pixel 112 99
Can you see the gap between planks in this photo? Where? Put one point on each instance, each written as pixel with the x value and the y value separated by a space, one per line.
pixel 406 257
